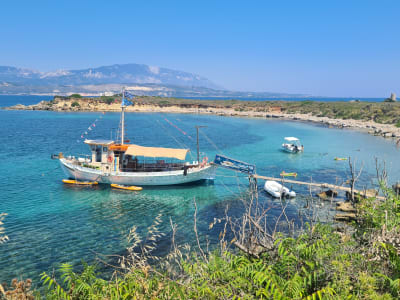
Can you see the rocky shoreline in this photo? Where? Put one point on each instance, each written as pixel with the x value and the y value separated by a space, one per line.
pixel 92 105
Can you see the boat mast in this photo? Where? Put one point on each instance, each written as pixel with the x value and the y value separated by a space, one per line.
pixel 122 117
pixel 198 146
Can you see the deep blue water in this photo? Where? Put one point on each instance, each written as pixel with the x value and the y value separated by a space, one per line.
pixel 25 100
pixel 49 223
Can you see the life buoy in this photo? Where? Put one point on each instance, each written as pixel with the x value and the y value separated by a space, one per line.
pixel 109 159
pixel 204 162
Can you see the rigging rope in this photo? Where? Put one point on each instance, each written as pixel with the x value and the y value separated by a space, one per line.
pixel 239 185
pixel 183 132
pixel 92 126
pixel 180 144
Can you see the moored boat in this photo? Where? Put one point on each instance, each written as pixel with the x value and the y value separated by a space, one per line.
pixel 126 187
pixel 288 174
pixel 292 145
pixel 277 190
pixel 72 181
pixel 115 162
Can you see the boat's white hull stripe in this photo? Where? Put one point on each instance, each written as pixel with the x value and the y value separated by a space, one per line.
pixel 137 178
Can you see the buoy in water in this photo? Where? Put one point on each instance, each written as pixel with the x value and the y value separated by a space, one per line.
pixel 71 181
pixel 292 174
pixel 126 187
pixel 340 158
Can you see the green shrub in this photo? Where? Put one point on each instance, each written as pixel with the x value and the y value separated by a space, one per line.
pixel 107 99
pixel 164 103
pixel 75 104
pixel 318 264
pixel 75 96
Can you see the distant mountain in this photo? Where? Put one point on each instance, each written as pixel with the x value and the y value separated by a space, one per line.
pixel 123 74
pixel 108 80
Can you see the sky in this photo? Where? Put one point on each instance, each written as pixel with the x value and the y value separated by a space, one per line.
pixel 322 48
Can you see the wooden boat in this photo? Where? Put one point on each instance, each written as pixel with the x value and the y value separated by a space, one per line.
pixel 277 190
pixel 126 187
pixel 290 174
pixel 116 162
pixel 71 181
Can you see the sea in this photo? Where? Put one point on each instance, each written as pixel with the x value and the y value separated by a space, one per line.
pixel 50 223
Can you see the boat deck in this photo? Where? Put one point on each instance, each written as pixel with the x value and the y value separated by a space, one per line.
pixel 152 167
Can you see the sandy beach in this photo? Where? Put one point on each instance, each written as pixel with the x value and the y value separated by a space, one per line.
pixel 67 105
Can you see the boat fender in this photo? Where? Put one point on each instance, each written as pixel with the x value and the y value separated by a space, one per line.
pixel 109 159
pixel 185 169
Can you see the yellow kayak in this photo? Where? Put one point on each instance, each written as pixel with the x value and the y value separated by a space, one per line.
pixel 292 174
pixel 340 158
pixel 126 187
pixel 70 181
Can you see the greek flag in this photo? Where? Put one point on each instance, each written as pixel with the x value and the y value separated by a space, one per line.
pixel 125 96
pixel 129 95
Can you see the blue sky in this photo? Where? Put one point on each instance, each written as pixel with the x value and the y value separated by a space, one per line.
pixel 330 48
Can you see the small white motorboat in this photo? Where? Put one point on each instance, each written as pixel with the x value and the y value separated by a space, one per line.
pixel 277 190
pixel 292 145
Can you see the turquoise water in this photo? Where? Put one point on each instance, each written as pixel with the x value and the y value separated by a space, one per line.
pixel 50 223
pixel 25 100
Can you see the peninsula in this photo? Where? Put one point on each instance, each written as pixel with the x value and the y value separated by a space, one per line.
pixel 378 118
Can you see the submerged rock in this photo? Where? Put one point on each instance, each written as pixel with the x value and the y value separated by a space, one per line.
pixel 326 195
pixel 396 187
pixel 346 207
pixel 346 217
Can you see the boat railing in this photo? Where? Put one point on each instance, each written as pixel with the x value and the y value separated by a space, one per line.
pixel 152 166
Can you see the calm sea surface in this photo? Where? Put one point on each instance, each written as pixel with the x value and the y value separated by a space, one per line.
pixel 49 223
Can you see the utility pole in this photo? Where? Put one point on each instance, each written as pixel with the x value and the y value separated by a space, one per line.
pixel 198 148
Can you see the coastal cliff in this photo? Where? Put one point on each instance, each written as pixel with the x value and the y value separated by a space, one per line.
pixel 381 119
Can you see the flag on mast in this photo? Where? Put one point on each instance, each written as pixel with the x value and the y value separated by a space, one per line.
pixel 125 96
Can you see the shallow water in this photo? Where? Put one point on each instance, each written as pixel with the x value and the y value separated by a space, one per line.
pixel 49 223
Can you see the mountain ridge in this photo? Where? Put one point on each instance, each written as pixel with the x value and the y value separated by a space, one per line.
pixel 117 73
pixel 105 80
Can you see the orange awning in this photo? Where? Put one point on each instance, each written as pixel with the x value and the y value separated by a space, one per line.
pixel 137 150
pixel 119 147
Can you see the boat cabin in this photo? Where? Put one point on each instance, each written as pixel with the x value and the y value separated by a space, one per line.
pixel 101 153
pixel 109 156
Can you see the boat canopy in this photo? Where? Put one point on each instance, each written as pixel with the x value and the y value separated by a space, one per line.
pixel 291 139
pixel 99 142
pixel 137 150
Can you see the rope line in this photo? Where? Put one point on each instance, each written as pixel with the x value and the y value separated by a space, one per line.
pixel 180 144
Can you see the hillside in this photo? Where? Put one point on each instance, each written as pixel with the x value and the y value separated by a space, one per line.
pixel 106 80
pixel 119 74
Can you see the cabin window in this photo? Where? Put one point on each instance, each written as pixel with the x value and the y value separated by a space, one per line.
pixel 105 149
pixel 98 153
